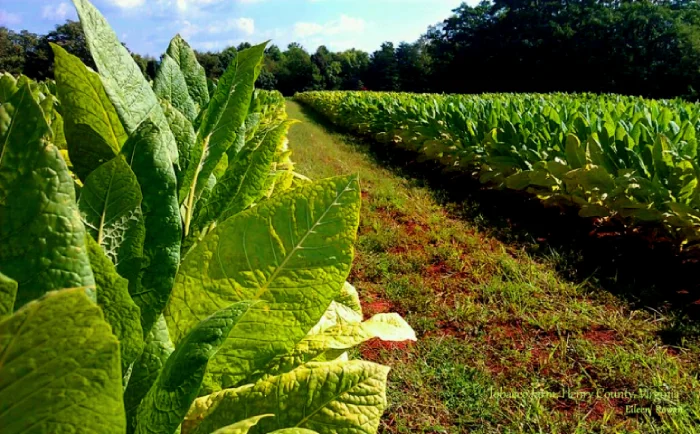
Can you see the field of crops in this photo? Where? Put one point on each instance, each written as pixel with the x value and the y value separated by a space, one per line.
pixel 163 268
pixel 609 156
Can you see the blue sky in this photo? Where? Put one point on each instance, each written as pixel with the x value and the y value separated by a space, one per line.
pixel 146 26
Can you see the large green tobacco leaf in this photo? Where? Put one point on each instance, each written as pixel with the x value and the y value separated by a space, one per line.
pixel 48 105
pixel 663 161
pixel 132 96
pixel 242 182
pixel 92 128
pixel 144 152
pixel 169 85
pixel 8 87
pixel 328 398
pixel 184 137
pixel 178 384
pixel 58 128
pixel 110 205
pixel 683 181
pixel 119 309
pixel 8 292
pixel 221 122
pixel 60 370
pixel 294 431
pixel 43 239
pixel 293 251
pixel 195 76
pixel 146 369
pixel 242 427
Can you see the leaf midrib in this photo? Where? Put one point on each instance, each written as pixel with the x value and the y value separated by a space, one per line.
pixel 299 244
pixel 335 396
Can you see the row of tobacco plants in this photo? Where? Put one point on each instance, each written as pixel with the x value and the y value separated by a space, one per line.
pixel 610 157
pixel 162 267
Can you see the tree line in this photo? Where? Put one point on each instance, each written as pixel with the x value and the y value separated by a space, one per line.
pixel 30 54
pixel 641 47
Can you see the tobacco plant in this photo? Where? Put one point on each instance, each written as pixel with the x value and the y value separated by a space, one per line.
pixel 609 156
pixel 162 267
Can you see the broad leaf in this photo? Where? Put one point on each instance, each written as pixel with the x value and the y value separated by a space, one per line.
pixel 242 427
pixel 293 251
pixel 337 313
pixel 8 87
pixel 93 131
pixel 146 369
pixel 242 182
pixel 195 76
pixel 110 205
pixel 340 330
pixel 663 162
pixel 169 85
pixel 178 383
pixel 221 122
pixel 294 431
pixel 385 326
pixel 144 151
pixel 349 297
pixel 330 398
pixel 58 129
pixel 132 96
pixel 184 137
pixel 573 152
pixel 119 309
pixel 8 293
pixel 60 369
pixel 43 239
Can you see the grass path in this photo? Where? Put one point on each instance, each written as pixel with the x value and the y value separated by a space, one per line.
pixel 497 329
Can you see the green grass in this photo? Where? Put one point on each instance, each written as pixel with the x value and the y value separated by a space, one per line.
pixel 491 318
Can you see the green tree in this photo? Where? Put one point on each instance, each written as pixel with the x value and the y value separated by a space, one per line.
pixel 633 47
pixel 383 71
pixel 13 49
pixel 211 63
pixel 147 64
pixel 273 53
pixel 354 66
pixel 268 75
pixel 226 57
pixel 329 69
pixel 413 67
pixel 296 71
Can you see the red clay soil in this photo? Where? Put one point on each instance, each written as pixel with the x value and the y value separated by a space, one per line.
pixel 371 350
pixel 601 337
pixel 375 307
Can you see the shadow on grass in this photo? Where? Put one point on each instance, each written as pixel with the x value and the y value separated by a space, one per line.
pixel 645 272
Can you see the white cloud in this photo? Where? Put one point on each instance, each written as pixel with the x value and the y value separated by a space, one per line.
pixel 217 45
pixel 187 29
pixel 304 30
pixel 348 25
pixel 243 25
pixel 9 19
pixel 184 5
pixel 57 13
pixel 128 4
pixel 345 24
